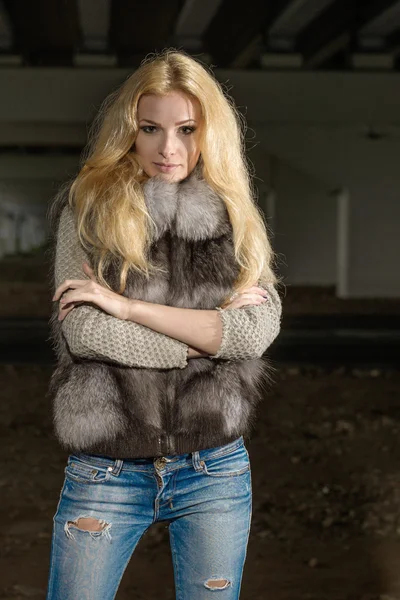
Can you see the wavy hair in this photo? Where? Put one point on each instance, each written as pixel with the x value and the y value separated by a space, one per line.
pixel 107 196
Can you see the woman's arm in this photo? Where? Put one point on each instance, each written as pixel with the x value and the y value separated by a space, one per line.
pixel 92 333
pixel 247 332
pixel 232 334
pixel 199 328
pixel 238 333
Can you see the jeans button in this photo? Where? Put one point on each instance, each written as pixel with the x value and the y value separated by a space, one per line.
pixel 160 463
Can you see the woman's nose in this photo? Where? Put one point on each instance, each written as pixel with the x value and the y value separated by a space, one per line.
pixel 167 146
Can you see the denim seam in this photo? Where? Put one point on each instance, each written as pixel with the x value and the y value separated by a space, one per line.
pixel 226 473
pixel 223 452
pixel 51 575
pixel 52 570
pixel 84 468
pixel 95 465
pixel 248 530
pixel 157 503
pixel 232 446
pixel 177 577
pixel 78 479
pixel 204 459
pixel 172 484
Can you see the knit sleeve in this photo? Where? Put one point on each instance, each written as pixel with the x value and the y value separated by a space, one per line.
pixel 92 333
pixel 248 331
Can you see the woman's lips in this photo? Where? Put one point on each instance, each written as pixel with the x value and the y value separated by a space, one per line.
pixel 166 168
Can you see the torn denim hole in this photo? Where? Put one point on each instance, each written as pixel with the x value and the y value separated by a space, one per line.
pixel 94 533
pixel 217 584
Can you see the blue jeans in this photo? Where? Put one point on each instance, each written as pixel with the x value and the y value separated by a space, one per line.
pixel 205 497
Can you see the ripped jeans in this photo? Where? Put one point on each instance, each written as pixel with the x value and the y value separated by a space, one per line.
pixel 204 496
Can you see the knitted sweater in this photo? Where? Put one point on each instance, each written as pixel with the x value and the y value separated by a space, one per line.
pixel 91 333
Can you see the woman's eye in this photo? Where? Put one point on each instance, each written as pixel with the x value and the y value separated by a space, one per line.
pixel 148 128
pixel 186 130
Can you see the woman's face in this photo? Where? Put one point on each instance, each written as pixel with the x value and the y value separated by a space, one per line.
pixel 169 131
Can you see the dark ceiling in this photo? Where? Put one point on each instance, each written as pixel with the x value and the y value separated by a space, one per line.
pixel 298 34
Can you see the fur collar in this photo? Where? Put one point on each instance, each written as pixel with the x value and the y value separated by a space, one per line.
pixel 189 209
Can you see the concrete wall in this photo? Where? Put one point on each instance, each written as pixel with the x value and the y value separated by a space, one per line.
pixel 305 227
pixel 302 216
pixel 374 243
pixel 311 128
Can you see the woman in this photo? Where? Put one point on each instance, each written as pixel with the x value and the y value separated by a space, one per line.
pixel 164 304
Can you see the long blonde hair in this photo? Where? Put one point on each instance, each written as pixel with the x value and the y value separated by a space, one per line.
pixel 107 195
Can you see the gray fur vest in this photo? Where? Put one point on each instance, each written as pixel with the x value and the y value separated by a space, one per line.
pixel 156 412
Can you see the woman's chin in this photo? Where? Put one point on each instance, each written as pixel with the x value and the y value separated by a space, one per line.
pixel 172 177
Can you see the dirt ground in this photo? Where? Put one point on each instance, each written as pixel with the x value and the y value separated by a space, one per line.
pixel 325 468
pixel 325 460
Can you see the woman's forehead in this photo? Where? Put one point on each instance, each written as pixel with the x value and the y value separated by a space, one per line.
pixel 175 107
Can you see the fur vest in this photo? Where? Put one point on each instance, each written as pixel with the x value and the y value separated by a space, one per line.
pixel 128 412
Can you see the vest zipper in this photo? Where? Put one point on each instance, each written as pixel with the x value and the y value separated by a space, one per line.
pixel 166 416
pixel 169 374
pixel 164 438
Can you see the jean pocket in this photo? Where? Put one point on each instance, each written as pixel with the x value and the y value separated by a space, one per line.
pixel 83 472
pixel 230 464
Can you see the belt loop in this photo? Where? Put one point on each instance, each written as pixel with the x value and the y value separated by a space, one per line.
pixel 196 461
pixel 116 469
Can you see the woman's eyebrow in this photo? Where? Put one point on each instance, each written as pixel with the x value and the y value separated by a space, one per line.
pixel 159 125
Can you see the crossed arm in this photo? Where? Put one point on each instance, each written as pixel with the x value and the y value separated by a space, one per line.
pixel 92 333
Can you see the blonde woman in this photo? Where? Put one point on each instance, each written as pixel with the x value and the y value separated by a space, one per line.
pixel 164 303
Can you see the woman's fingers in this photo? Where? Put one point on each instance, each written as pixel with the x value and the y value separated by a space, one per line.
pixel 66 308
pixel 86 291
pixel 245 299
pixel 256 289
pixel 68 283
pixel 76 295
pixel 74 283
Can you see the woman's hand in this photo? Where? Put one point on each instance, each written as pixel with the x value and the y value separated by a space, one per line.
pixel 249 296
pixel 88 290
